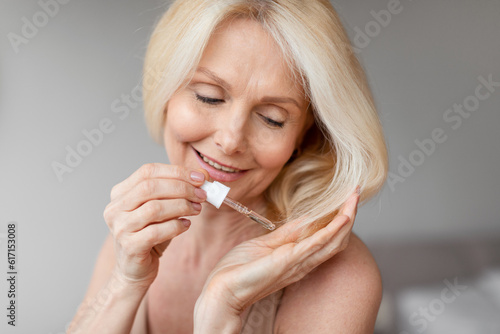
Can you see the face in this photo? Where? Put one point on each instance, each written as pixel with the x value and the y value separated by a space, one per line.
pixel 242 111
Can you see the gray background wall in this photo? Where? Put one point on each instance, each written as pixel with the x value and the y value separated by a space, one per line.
pixel 72 74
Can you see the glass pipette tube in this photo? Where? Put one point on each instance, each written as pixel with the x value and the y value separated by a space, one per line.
pixel 217 194
pixel 249 213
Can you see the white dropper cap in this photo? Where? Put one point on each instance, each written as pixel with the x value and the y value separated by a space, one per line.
pixel 216 192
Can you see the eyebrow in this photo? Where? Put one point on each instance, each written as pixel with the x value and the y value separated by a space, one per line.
pixel 272 99
pixel 214 77
pixel 227 86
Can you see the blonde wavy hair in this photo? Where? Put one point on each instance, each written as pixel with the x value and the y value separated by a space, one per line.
pixel 343 148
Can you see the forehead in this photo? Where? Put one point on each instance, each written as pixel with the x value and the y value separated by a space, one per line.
pixel 247 57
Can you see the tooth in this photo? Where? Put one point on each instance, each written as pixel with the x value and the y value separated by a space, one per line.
pixel 217 166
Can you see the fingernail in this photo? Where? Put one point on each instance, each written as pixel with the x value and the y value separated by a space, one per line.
pixel 200 193
pixel 197 176
pixel 358 190
pixel 185 222
pixel 197 206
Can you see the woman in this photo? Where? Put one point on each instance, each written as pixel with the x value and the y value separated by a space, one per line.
pixel 268 98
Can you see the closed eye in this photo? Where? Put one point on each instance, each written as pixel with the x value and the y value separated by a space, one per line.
pixel 208 100
pixel 272 122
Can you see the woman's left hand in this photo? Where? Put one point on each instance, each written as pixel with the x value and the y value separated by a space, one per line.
pixel 261 266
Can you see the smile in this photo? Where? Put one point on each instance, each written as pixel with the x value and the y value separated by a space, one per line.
pixel 217 166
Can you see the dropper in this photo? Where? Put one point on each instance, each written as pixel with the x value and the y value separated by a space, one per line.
pixel 217 194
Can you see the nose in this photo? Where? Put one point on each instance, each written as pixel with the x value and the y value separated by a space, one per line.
pixel 230 136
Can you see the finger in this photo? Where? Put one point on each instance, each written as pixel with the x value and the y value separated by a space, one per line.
pixel 292 259
pixel 160 248
pixel 204 172
pixel 156 211
pixel 333 247
pixel 324 254
pixel 290 231
pixel 319 240
pixel 333 238
pixel 350 207
pixel 302 267
pixel 334 234
pixel 284 234
pixel 160 233
pixel 156 189
pixel 158 171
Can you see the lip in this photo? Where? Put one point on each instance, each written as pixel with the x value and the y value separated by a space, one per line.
pixel 216 174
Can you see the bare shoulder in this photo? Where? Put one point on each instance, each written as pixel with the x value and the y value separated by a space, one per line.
pixel 341 295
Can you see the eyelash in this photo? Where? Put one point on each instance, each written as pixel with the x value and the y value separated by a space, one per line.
pixel 273 123
pixel 211 101
pixel 208 100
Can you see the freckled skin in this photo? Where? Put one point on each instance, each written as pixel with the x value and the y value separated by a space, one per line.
pixel 235 131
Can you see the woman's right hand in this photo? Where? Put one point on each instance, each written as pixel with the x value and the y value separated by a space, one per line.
pixel 144 215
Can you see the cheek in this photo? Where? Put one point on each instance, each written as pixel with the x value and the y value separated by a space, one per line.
pixel 183 124
pixel 274 155
pixel 270 158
